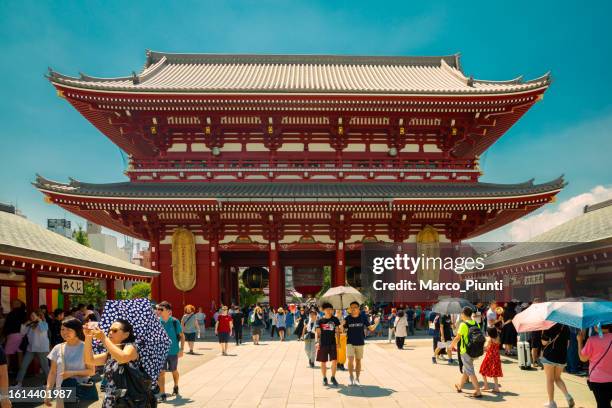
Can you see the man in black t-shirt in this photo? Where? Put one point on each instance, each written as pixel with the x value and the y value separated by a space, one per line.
pixel 327 339
pixel 355 323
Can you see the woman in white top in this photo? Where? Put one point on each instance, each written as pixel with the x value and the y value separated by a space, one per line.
pixel 67 360
pixel 36 331
pixel 400 324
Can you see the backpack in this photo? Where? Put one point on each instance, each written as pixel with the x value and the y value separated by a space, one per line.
pixel 475 341
pixel 176 330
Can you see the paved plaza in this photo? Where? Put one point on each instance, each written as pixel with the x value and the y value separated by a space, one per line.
pixel 276 374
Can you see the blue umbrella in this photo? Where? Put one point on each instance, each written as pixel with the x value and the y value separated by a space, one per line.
pixel 151 339
pixel 581 312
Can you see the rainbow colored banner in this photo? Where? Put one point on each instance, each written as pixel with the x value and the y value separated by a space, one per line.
pixel 53 298
pixel 10 293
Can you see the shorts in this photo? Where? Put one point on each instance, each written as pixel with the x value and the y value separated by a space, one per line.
pixel 190 336
pixel 354 351
pixel 171 363
pixel 468 364
pixel 223 337
pixel 327 353
pixel 280 329
pixel 256 331
pixel 543 360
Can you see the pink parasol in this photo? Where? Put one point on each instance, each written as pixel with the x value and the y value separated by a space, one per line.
pixel 533 318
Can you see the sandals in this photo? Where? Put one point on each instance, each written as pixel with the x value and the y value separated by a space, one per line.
pixel 457 388
pixel 475 395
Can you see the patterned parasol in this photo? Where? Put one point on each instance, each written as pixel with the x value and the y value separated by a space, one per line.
pixel 151 339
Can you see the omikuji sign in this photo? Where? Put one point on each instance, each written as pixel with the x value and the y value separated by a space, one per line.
pixel 72 286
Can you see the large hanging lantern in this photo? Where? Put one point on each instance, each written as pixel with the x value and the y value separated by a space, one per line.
pixel 353 276
pixel 255 278
pixel 308 280
pixel 183 259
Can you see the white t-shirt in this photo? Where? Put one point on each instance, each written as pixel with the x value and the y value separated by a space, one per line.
pixel 73 357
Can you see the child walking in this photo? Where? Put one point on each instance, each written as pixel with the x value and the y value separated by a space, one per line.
pixel 491 364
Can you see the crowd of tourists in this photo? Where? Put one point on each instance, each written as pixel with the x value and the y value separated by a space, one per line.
pixel 62 344
pixel 487 332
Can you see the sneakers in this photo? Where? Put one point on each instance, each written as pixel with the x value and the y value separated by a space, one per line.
pixel 175 390
pixel 334 382
pixel 433 360
pixel 570 402
pixel 163 398
pixel 550 405
pixel 356 382
pixel 325 381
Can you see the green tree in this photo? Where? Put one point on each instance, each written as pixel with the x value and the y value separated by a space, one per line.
pixel 247 297
pixel 326 281
pixel 81 237
pixel 92 294
pixel 137 291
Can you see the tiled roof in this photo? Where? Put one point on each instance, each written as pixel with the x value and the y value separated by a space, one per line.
pixel 288 191
pixel 593 227
pixel 319 74
pixel 22 238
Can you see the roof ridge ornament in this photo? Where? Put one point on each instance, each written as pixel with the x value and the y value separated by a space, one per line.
pixel 135 79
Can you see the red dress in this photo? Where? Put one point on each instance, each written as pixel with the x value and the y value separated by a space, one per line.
pixel 491 365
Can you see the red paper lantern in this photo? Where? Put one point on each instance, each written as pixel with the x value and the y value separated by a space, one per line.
pixel 308 280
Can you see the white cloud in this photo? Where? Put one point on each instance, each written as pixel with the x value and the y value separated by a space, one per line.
pixel 528 227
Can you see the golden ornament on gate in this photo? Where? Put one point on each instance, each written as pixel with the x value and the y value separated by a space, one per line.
pixel 183 259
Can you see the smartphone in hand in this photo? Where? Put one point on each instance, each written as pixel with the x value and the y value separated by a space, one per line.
pixel 92 325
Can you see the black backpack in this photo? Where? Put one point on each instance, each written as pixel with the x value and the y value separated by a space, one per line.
pixel 475 341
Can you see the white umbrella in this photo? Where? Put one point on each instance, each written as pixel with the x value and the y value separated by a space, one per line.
pixel 341 297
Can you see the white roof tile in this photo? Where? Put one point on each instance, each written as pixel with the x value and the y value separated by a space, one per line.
pixel 215 73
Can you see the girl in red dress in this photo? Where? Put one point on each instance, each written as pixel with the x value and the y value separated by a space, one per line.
pixel 491 364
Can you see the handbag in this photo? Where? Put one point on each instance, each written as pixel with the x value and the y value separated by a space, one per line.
pixel 133 387
pixel 85 391
pixel 23 344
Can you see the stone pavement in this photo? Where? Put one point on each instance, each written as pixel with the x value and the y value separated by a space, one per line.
pixel 276 374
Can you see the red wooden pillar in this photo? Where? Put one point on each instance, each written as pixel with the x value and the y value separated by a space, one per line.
pixel 275 282
pixel 110 289
pixel 340 267
pixel 215 289
pixel 31 282
pixel 569 280
pixel 155 282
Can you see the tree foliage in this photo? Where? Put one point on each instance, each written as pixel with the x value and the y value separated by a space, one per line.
pixel 137 291
pixel 92 294
pixel 81 237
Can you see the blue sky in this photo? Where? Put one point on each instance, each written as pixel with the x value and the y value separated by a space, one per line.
pixel 568 133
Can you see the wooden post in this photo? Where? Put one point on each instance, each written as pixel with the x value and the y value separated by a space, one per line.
pixel 275 282
pixel 215 289
pixel 31 281
pixel 110 289
pixel 340 267
pixel 155 282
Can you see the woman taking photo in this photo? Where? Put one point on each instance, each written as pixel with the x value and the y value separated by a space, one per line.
pixel 36 331
pixel 68 367
pixel 257 323
pixel 121 349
